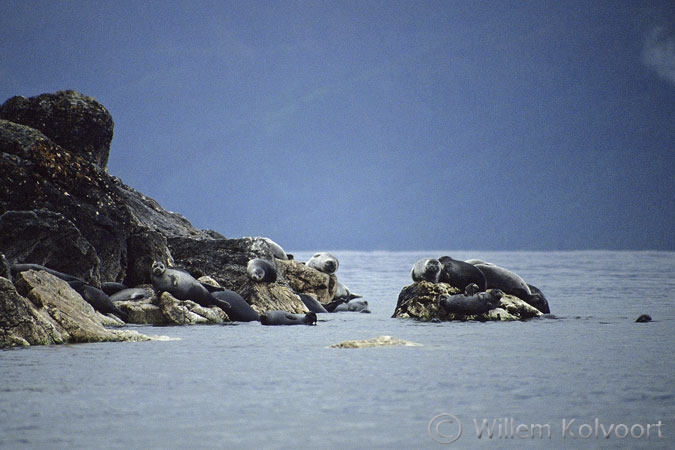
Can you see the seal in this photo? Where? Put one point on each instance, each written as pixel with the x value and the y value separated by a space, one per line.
pixel 500 278
pixel 261 270
pixel 343 293
pixel 644 318
pixel 131 294
pixel 182 286
pixel 110 287
pixel 479 303
pixel 538 300
pixel 427 269
pixel 312 304
pixel 277 317
pixel 323 262
pixel 98 299
pixel 238 310
pixel 460 274
pixel 353 306
pixel 17 268
pixel 276 249
pixel 471 289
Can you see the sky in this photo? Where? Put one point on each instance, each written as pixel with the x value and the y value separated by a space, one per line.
pixel 377 125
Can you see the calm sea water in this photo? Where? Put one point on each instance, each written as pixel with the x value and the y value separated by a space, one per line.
pixel 248 386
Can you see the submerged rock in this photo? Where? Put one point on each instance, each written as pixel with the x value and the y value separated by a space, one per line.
pixel 380 341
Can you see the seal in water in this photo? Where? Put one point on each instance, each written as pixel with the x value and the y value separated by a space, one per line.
pixel 239 310
pixel 323 262
pixel 284 318
pixel 98 299
pixel 428 269
pixel 343 293
pixel 353 306
pixel 261 270
pixel 471 304
pixel 460 274
pixel 644 318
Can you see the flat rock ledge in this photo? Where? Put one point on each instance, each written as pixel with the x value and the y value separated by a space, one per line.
pixel 40 309
pixel 419 301
pixel 380 341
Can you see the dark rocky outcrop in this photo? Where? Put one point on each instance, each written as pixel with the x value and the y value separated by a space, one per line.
pixel 43 309
pixel 70 119
pixel 59 208
pixel 420 301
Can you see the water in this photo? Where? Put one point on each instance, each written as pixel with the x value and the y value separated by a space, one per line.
pixel 248 386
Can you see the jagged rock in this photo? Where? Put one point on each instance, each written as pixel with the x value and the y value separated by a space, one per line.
pixel 420 301
pixel 43 309
pixel 143 248
pixel 72 120
pixel 308 281
pixel 49 239
pixel 380 341
pixel 272 296
pixel 187 312
pixel 164 309
pixel 40 174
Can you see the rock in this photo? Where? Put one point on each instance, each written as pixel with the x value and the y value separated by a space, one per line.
pixel 380 341
pixel 272 296
pixel 420 301
pixel 142 312
pixel 39 174
pixel 308 281
pixel 72 120
pixel 49 239
pixel 187 312
pixel 43 309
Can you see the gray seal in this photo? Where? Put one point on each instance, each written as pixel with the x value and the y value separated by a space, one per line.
pixel 427 269
pixel 183 286
pixel 353 306
pixel 98 299
pixel 343 293
pixel 460 274
pixel 261 270
pixel 312 304
pixel 323 262
pixel 238 310
pixel 471 304
pixel 644 318
pixel 538 300
pixel 17 268
pixel 284 318
pixel 501 278
pixel 131 294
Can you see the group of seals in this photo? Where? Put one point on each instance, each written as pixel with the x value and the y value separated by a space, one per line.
pixel 184 286
pixel 483 275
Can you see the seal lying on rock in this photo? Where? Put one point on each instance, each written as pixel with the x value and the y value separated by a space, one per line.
pixel 312 304
pixel 111 287
pixel 538 300
pixel 460 274
pixel 323 262
pixel 471 304
pixel 285 318
pixel 261 270
pixel 238 310
pixel 183 286
pixel 343 293
pixel 130 294
pixel 353 306
pixel 97 299
pixel 427 269
pixel 17 268
pixel 500 278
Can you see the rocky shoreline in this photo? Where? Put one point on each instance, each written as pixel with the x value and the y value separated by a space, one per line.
pixel 70 231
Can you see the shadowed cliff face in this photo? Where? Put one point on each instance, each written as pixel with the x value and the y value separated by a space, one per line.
pixel 53 151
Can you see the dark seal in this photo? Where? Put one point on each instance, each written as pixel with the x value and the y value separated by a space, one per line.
pixel 98 299
pixel 238 310
pixel 460 274
pixel 261 270
pixel 284 318
pixel 471 304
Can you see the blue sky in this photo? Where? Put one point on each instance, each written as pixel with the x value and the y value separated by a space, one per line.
pixel 377 125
